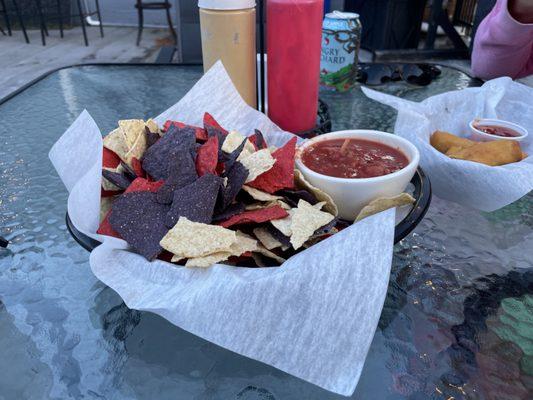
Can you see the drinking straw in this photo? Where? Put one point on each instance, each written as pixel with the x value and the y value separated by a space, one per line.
pixel 261 57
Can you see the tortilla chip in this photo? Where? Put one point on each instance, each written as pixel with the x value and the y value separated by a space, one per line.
pixel 281 175
pixel 230 211
pixel 305 221
pixel 200 133
pixel 105 227
pixel 152 126
pixel 175 143
pixel 259 195
pixel 105 206
pixel 139 219
pixel 209 121
pixel 257 163
pixel 189 239
pixel 284 225
pixel 233 140
pixel 292 197
pixel 137 168
pixel 260 205
pixel 109 159
pixel 384 203
pixel 256 216
pixel 196 201
pixel 258 140
pixel 205 261
pixel 267 253
pixel 320 195
pixel 115 180
pixel 144 185
pixel 236 178
pixel 266 238
pixel 243 244
pixel 207 157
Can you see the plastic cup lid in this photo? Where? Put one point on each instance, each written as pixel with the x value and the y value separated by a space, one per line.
pixel 342 15
pixel 226 4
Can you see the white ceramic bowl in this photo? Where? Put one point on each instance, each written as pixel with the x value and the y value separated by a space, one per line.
pixel 481 136
pixel 352 194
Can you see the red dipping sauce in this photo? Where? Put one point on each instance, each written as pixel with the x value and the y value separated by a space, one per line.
pixel 353 158
pixel 497 130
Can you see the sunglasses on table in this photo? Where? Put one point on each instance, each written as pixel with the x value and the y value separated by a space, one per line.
pixel 415 74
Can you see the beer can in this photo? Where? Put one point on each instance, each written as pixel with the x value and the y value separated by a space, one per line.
pixel 341 37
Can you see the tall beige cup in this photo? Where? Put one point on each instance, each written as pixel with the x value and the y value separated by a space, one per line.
pixel 228 34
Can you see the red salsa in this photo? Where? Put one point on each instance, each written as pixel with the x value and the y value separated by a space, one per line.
pixel 498 130
pixel 353 158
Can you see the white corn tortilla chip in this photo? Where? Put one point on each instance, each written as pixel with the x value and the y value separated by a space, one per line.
pixel 257 163
pixel 205 261
pixel 384 203
pixel 268 204
pixel 189 239
pixel 259 195
pixel 152 126
pixel 320 195
pixel 305 221
pixel 128 140
pixel 242 244
pixel 266 238
pixel 233 140
pixel 284 224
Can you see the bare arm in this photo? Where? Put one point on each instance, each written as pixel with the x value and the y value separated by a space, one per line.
pixel 504 41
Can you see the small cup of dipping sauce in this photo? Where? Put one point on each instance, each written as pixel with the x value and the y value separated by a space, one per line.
pixel 357 166
pixel 487 129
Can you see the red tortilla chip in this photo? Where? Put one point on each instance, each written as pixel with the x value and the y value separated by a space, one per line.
pixel 110 159
pixel 109 193
pixel 256 216
pixel 207 157
pixel 200 133
pixel 144 185
pixel 209 120
pixel 105 227
pixel 137 168
pixel 281 175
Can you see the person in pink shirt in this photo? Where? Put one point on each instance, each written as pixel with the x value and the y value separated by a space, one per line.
pixel 503 45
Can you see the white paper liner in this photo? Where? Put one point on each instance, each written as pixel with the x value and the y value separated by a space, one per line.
pixel 468 183
pixel 314 317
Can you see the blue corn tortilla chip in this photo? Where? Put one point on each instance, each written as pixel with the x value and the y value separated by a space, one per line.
pixel 292 197
pixel 259 140
pixel 195 201
pixel 230 211
pixel 284 240
pixel 159 156
pixel 236 177
pixel 140 220
pixel 151 137
pixel 326 228
pixel 182 172
pixel 117 179
pixel 128 172
pixel 230 159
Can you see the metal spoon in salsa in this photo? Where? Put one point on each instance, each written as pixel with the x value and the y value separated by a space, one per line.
pixel 353 158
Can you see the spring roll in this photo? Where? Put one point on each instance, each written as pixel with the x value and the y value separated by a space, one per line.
pixel 443 141
pixel 493 153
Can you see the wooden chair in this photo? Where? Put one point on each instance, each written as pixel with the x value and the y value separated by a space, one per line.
pixel 156 5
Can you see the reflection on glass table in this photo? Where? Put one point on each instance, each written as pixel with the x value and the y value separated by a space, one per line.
pixel 456 323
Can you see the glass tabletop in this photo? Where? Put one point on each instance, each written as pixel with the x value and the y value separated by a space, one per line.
pixel 457 321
